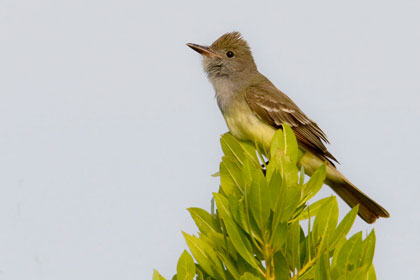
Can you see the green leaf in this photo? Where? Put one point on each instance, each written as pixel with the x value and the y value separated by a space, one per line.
pixel 357 273
pixel 304 247
pixel 344 227
pixel 255 231
pixel 186 267
pixel 216 174
pixel 270 169
pixel 229 263
pixel 293 245
pixel 314 184
pixel 274 186
pixel 322 269
pixel 249 276
pixel 204 221
pixel 250 153
pixel 285 140
pixel 238 238
pixel 281 267
pixel 368 249
pixel 349 254
pixel 301 176
pixel 326 221
pixel 205 256
pixel 277 143
pixel 279 236
pixel 244 266
pixel 312 209
pixel 259 200
pixel 290 144
pixel 231 148
pixel 157 276
pixel 285 205
pixel 238 150
pixel 371 275
pixel 243 219
pixel 337 250
pixel 248 173
pixel 239 214
pixel 309 274
pixel 215 240
pixel 284 155
pixel 288 169
pixel 201 274
pixel 230 177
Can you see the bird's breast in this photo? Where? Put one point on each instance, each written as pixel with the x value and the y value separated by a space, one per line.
pixel 241 120
pixel 246 126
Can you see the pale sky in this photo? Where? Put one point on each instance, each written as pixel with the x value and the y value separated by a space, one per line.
pixel 109 129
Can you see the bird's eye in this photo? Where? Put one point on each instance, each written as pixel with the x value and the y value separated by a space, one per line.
pixel 230 54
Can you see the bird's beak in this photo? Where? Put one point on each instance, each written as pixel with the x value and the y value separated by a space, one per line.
pixel 206 51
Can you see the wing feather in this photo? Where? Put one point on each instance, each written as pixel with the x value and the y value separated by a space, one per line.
pixel 274 107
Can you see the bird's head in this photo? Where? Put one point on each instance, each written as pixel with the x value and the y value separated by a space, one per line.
pixel 228 57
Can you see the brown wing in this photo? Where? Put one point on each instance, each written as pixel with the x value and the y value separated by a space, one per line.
pixel 274 107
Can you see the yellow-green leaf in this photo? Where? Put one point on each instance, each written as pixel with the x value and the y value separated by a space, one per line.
pixel 249 276
pixel 230 177
pixel 205 256
pixel 259 200
pixel 237 237
pixel 157 276
pixel 344 227
pixel 281 267
pixel 326 220
pixel 204 221
pixel 185 268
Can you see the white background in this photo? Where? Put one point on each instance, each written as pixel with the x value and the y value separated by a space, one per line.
pixel 109 129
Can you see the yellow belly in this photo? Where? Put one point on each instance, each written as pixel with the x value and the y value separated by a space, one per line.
pixel 244 125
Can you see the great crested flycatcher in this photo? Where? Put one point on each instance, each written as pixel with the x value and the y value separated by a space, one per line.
pixel 254 109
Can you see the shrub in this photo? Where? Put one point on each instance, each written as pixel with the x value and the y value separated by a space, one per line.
pixel 264 226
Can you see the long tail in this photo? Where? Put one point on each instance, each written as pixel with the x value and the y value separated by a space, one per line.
pixel 369 210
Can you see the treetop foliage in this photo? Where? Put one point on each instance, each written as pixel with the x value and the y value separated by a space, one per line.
pixel 256 231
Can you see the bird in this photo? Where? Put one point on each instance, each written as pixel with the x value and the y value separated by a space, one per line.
pixel 254 109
